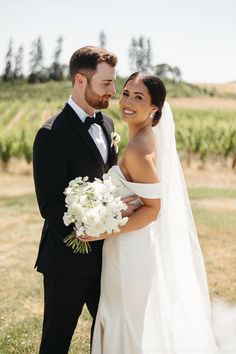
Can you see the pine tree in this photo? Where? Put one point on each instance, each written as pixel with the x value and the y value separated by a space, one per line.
pixel 36 62
pixel 133 54
pixel 140 55
pixel 149 55
pixel 8 72
pixel 18 71
pixel 56 70
pixel 102 39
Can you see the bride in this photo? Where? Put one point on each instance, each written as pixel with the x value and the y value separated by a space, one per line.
pixel 154 294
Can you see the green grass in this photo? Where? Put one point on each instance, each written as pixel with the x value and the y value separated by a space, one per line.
pixel 25 92
pixel 223 222
pixel 21 293
pixel 211 193
pixel 23 336
pixel 19 202
pixel 184 89
pixel 20 337
pixel 217 236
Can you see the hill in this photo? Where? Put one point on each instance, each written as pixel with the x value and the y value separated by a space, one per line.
pixel 224 90
pixel 60 91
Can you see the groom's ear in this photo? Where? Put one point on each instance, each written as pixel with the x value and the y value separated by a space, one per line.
pixel 80 80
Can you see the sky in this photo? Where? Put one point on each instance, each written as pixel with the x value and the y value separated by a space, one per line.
pixel 198 36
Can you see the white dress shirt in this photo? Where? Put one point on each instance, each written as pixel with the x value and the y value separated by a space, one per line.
pixel 95 130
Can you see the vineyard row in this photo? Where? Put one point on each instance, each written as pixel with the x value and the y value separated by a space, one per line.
pixel 202 133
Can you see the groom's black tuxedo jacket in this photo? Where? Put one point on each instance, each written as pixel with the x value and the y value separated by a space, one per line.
pixel 63 149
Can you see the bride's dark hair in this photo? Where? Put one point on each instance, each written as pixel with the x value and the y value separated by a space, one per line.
pixel 156 89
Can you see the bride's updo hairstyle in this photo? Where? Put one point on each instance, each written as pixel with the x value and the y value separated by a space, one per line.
pixel 156 89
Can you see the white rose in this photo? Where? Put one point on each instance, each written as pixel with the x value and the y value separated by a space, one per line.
pixel 67 219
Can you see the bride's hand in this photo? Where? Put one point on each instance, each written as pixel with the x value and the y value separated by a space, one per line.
pixel 92 238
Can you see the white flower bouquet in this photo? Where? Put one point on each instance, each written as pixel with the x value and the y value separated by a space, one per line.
pixel 93 208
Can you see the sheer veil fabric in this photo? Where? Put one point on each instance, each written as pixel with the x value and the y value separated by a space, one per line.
pixel 179 299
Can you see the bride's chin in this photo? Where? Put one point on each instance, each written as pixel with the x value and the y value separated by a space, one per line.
pixel 126 118
pixel 123 118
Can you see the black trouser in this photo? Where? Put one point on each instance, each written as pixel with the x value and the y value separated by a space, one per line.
pixel 63 302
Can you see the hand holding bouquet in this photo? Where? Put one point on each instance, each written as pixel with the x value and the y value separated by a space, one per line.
pixel 93 208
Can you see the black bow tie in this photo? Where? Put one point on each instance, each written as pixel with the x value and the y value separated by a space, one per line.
pixel 97 120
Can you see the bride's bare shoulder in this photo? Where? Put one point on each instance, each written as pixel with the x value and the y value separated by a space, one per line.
pixel 139 158
pixel 141 145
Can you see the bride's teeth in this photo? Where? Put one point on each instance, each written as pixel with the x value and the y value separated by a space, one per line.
pixel 126 111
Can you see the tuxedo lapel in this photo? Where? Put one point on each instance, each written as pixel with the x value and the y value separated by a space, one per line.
pixel 107 128
pixel 83 133
pixel 107 131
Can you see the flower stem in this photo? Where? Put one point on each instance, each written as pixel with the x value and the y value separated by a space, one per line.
pixel 78 246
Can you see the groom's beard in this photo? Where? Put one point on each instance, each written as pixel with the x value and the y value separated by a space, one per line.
pixel 94 100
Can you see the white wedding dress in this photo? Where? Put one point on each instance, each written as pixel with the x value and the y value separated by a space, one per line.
pixel 130 320
pixel 127 275
pixel 154 292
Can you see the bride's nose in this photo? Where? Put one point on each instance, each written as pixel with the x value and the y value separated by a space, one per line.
pixel 128 102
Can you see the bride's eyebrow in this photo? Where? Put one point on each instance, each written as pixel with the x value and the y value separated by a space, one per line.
pixel 135 93
pixel 139 93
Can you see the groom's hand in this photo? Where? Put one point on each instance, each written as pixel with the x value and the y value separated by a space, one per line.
pixel 130 201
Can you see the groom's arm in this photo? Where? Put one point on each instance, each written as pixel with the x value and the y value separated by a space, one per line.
pixel 50 169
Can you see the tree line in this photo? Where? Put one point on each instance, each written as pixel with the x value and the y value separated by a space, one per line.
pixel 13 70
pixel 139 53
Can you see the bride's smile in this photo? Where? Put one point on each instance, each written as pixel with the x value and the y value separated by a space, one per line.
pixel 135 103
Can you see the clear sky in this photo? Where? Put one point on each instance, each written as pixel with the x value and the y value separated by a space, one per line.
pixel 198 36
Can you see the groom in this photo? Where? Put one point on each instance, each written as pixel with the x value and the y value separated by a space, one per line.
pixel 75 142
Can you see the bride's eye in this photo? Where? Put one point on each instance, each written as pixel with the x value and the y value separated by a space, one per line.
pixel 139 97
pixel 124 93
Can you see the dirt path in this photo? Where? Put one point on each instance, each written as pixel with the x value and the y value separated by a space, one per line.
pixel 214 175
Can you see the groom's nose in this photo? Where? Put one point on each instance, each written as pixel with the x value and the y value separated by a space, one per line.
pixel 112 90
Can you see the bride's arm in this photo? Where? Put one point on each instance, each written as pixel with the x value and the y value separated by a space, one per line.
pixel 142 169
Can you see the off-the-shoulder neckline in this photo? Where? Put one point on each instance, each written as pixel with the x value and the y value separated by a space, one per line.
pixel 132 183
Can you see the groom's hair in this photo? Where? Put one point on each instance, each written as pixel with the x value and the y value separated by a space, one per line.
pixel 86 59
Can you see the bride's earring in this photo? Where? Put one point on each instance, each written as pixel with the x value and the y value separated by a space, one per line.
pixel 151 116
